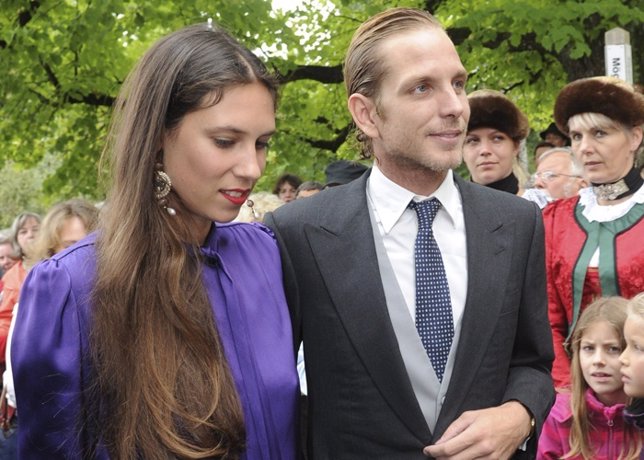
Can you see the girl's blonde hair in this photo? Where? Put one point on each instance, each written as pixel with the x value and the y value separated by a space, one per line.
pixel 613 311
pixel 636 305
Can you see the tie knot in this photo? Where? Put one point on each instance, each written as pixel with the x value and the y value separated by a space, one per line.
pixel 426 211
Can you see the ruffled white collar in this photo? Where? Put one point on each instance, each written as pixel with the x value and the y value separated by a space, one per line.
pixel 593 211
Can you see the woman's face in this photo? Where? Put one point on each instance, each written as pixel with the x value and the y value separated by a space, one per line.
pixel 286 192
pixel 489 155
pixel 599 352
pixel 72 230
pixel 216 154
pixel 607 153
pixel 27 233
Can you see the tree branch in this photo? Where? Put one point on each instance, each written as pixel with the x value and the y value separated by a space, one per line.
pixel 24 16
pixel 97 100
pixel 322 74
pixel 331 144
pixel 51 76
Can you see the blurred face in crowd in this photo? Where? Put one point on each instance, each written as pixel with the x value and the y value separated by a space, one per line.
pixel 6 259
pixel 599 352
pixel 27 233
pixel 286 192
pixel 489 155
pixel 632 359
pixel 605 150
pixel 554 176
pixel 417 120
pixel 216 154
pixel 73 230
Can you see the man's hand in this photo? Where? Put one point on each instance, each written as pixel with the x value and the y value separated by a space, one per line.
pixel 494 433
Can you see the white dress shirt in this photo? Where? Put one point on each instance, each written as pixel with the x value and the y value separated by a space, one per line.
pixel 398 226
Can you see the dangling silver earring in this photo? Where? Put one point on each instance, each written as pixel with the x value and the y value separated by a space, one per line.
pixel 251 204
pixel 162 186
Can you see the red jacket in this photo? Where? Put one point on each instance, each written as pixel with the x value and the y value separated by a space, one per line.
pixel 607 438
pixel 12 280
pixel 566 236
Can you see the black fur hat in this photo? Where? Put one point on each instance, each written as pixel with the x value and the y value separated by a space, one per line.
pixel 609 96
pixel 492 109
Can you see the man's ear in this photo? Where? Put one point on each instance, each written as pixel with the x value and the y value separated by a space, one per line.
pixel 364 113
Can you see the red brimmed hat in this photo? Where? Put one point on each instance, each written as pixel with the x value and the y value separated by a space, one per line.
pixel 492 109
pixel 609 96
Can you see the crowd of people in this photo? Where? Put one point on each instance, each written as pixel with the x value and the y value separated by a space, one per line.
pixel 396 310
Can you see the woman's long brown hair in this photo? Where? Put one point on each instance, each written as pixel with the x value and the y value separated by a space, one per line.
pixel 161 387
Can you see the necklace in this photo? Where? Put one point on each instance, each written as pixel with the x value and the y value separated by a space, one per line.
pixel 624 187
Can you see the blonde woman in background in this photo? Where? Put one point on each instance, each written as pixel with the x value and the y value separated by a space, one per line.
pixel 258 204
pixel 65 224
pixel 496 134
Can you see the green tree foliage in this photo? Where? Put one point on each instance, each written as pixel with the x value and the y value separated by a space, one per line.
pixel 62 63
pixel 20 190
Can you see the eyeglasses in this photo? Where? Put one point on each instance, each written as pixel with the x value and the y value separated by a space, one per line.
pixel 549 176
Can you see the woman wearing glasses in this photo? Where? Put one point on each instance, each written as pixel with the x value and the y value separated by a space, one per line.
pixel 594 240
pixel 495 135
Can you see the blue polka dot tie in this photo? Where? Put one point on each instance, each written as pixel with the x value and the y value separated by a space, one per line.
pixel 433 305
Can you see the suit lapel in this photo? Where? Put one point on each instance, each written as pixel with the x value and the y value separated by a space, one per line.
pixel 345 254
pixel 488 261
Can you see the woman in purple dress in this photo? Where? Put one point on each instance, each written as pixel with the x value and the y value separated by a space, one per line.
pixel 165 335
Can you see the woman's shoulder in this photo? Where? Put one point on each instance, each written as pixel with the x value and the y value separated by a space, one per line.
pixel 76 262
pixel 242 241
pixel 15 276
pixel 244 248
pixel 246 232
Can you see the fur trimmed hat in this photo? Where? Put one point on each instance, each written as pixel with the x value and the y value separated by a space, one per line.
pixel 609 96
pixel 492 109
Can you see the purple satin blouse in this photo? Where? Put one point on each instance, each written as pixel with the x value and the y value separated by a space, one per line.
pixel 243 276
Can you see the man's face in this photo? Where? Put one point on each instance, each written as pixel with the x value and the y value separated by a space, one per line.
pixel 422 109
pixel 554 176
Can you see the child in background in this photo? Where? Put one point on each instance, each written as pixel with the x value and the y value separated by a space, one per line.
pixel 632 360
pixel 588 423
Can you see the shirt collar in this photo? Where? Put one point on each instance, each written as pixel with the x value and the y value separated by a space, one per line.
pixel 390 200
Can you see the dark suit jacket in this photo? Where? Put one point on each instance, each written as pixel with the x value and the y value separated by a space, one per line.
pixel 361 402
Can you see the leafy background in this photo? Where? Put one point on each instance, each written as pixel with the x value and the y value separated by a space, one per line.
pixel 62 62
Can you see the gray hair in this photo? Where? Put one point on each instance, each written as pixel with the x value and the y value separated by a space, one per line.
pixel 576 168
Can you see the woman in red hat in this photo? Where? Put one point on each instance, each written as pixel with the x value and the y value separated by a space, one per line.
pixel 594 240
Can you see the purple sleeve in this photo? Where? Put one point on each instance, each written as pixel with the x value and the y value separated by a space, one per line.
pixel 46 359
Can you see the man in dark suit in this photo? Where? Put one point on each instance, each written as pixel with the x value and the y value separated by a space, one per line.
pixel 351 263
